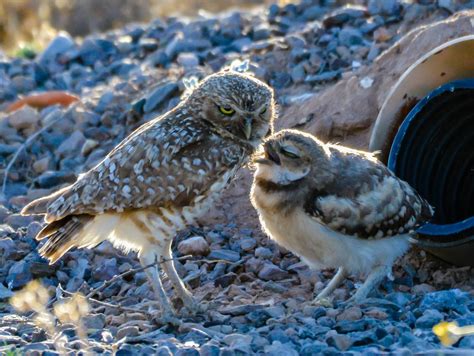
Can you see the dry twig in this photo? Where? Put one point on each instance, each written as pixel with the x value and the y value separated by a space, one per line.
pixel 20 149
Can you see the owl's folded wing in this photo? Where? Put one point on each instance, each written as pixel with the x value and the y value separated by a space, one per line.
pixel 389 207
pixel 163 163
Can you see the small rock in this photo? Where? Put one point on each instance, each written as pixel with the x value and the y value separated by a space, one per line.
pixel 298 73
pixel 72 144
pixel 19 275
pixel 196 246
pixel 51 179
pixel 352 313
pixel 225 280
pixel 313 348
pixel 340 341
pixel 94 321
pixel 350 36
pixel 188 60
pixel 382 35
pixel 264 253
pixel 429 318
pixel 24 118
pixel 224 254
pixel 270 272
pixel 446 300
pixel 41 165
pixel 233 339
pixel 323 77
pixel 343 15
pixel 278 349
pixel 128 331
pixel 159 95
pixel 59 45
pixel 376 313
pixel 16 220
pixel 280 80
pixel 248 244
pixel 5 293
pixel 449 5
pixel 242 309
pixel 106 270
pixel 422 289
pixel 384 7
pixel 89 146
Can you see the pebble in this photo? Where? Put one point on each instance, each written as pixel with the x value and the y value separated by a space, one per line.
pixel 429 319
pixel 72 144
pixel 158 96
pixel 195 245
pixel 62 43
pixel 19 275
pixel 187 60
pixel 24 118
pixel 352 313
pixel 339 341
pixel 270 272
pixel 128 331
pixel 223 254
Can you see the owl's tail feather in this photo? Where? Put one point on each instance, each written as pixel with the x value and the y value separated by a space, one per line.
pixel 63 235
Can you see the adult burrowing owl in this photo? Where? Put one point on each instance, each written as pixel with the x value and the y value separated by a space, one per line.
pixel 334 207
pixel 161 177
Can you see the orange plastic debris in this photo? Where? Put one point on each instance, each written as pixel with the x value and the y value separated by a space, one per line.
pixel 42 100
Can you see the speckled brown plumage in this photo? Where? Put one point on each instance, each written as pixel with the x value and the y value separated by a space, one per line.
pixel 162 176
pixel 335 206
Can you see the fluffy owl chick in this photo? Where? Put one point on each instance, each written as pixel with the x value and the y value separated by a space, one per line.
pixel 161 178
pixel 334 207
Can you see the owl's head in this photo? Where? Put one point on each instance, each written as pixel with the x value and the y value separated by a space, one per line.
pixel 291 156
pixel 237 103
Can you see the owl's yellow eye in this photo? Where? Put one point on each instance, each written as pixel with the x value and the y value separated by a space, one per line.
pixel 226 111
pixel 263 111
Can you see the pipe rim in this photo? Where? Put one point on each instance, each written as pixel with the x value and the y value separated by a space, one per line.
pixel 433 234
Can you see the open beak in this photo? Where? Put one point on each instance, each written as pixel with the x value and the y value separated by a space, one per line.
pixel 269 156
pixel 247 128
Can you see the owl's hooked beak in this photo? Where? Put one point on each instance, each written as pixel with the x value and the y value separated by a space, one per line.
pixel 247 128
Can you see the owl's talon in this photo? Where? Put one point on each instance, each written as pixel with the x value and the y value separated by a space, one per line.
pixel 322 301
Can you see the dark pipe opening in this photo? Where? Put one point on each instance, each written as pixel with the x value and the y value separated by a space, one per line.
pixel 433 150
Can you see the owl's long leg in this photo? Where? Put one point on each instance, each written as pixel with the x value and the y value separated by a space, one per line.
pixel 332 285
pixel 178 285
pixel 153 274
pixel 373 280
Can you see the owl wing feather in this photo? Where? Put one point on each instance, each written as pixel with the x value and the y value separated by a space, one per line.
pixel 168 162
pixel 368 201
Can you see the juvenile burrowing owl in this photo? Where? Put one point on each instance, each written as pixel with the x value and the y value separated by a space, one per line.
pixel 334 207
pixel 161 178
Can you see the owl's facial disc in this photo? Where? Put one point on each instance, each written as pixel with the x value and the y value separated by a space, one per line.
pixel 250 124
pixel 281 162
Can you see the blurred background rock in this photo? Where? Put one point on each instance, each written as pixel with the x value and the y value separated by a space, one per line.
pixel 32 23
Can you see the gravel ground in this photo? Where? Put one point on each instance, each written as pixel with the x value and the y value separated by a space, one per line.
pixel 258 295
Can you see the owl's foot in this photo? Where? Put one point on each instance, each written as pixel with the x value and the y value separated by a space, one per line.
pixel 372 282
pixel 192 305
pixel 322 302
pixel 168 318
